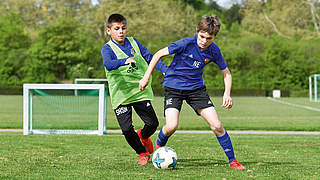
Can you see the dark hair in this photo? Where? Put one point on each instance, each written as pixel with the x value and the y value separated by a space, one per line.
pixel 209 24
pixel 115 18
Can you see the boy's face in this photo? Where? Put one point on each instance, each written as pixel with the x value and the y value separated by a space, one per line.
pixel 204 39
pixel 117 32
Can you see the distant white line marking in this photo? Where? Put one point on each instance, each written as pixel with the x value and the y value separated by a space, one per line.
pixel 113 131
pixel 295 105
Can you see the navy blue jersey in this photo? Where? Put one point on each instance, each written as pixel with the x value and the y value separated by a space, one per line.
pixel 185 70
pixel 111 62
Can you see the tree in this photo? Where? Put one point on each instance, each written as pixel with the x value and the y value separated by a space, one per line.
pixel 285 18
pixel 232 15
pixel 14 43
pixel 155 23
pixel 61 46
pixel 196 4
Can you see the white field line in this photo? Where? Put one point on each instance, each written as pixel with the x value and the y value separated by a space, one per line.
pixel 117 131
pixel 267 117
pixel 295 105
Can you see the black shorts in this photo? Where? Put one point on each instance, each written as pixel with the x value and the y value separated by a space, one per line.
pixel 197 98
pixel 144 110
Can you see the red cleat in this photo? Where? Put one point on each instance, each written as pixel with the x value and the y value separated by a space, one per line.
pixel 157 146
pixel 236 165
pixel 143 158
pixel 147 143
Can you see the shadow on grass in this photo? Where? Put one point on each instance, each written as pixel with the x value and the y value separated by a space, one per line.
pixel 216 162
pixel 201 162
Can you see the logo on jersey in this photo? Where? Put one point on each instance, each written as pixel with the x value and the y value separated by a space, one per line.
pixel 206 60
pixel 148 104
pixel 190 56
pixel 196 64
pixel 132 68
pixel 133 52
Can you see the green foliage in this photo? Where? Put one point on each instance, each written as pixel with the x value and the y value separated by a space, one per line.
pixel 257 62
pixel 196 4
pixel 63 51
pixel 284 18
pixel 13 49
pixel 272 44
pixel 233 15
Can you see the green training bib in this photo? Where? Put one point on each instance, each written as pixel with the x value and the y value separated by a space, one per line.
pixel 124 82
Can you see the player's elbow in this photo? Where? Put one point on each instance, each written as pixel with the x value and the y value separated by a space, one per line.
pixel 109 67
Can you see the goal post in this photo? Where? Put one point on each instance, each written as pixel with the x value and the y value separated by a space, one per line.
pixel 54 109
pixel 94 81
pixel 314 87
pixel 90 81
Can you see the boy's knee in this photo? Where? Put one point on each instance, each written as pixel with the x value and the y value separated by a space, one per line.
pixel 128 131
pixel 170 129
pixel 153 124
pixel 218 129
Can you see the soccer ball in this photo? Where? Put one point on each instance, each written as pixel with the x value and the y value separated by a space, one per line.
pixel 164 158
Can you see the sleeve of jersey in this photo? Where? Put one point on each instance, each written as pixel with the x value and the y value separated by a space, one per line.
pixel 148 57
pixel 110 60
pixel 177 46
pixel 219 58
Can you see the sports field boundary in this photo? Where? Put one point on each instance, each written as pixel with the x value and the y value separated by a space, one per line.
pixel 294 105
pixel 115 131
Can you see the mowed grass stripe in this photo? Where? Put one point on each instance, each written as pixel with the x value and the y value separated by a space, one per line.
pixel 248 113
pixel 199 157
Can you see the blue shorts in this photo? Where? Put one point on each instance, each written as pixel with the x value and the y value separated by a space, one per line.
pixel 197 98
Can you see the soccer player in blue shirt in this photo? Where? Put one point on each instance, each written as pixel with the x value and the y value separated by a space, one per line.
pixel 183 81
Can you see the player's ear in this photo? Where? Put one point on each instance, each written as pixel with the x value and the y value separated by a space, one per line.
pixel 108 30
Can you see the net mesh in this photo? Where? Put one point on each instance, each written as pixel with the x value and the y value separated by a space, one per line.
pixel 65 109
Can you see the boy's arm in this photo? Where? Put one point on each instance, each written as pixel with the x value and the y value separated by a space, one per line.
pixel 148 57
pixel 227 100
pixel 110 60
pixel 156 57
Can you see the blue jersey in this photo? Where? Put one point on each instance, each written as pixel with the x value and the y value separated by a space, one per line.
pixel 111 62
pixel 185 70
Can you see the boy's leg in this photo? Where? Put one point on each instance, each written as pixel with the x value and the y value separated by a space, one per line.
pixel 172 118
pixel 146 112
pixel 172 106
pixel 210 116
pixel 124 117
pixel 200 101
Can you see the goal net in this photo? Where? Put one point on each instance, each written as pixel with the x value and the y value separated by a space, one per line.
pixel 314 87
pixel 91 81
pixel 56 109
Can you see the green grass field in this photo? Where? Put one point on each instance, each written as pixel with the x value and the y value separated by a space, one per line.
pixel 199 157
pixel 248 113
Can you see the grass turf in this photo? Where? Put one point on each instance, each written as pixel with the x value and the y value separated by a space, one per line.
pixel 199 157
pixel 248 113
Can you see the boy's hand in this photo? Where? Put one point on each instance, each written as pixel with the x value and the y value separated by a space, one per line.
pixel 227 102
pixel 129 61
pixel 143 83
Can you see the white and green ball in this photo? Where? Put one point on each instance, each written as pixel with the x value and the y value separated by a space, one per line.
pixel 164 158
